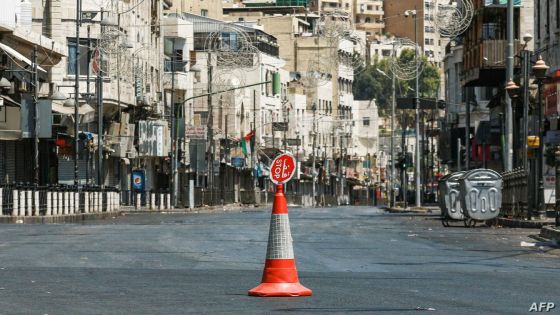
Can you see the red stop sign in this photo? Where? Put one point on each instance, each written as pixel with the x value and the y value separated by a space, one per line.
pixel 282 169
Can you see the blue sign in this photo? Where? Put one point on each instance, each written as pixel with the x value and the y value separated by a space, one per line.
pixel 238 161
pixel 139 180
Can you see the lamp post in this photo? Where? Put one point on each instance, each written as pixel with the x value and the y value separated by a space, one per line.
pixel 417 171
pixel 539 71
pixel 393 105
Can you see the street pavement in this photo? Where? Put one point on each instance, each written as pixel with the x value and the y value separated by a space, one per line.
pixel 355 259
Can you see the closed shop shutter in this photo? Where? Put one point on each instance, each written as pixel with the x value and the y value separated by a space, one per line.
pixel 24 158
pixel 3 158
pixel 66 171
pixel 10 147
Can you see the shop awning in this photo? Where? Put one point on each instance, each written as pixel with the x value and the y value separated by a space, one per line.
pixel 8 101
pixel 16 55
pixel 58 107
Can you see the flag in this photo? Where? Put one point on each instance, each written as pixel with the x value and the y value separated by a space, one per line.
pixel 246 143
pixel 94 65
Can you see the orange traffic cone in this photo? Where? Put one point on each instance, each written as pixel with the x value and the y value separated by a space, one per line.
pixel 280 276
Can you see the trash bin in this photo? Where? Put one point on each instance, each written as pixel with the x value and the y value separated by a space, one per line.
pixel 481 194
pixel 450 196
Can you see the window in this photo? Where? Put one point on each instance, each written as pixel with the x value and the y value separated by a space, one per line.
pixel 366 121
pixel 369 7
pixel 204 12
pixel 386 52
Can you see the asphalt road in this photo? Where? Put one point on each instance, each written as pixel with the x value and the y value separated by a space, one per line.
pixel 355 259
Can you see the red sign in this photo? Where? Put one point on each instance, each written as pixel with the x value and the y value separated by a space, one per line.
pixel 282 169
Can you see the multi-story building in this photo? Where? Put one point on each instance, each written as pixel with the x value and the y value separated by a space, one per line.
pixel 121 46
pixel 17 55
pixel 207 8
pixel 368 17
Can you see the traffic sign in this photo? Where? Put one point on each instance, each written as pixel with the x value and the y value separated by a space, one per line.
pixel 282 169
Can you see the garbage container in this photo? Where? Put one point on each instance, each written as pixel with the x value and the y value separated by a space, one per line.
pixel 481 194
pixel 450 196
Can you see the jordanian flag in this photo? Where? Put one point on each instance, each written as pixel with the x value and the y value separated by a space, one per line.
pixel 246 143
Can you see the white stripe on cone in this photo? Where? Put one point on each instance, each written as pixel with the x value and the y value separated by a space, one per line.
pixel 279 238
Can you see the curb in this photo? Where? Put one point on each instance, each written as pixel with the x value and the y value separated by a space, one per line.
pixel 551 233
pixel 524 224
pixel 410 210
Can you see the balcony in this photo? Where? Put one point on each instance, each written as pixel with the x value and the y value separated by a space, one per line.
pixel 369 26
pixel 484 63
pixel 181 75
pixel 181 81
pixel 177 28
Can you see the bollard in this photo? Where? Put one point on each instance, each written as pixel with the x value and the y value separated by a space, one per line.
pixel 191 194
pixel 1 201
pixel 15 206
pixel 21 203
pixel 96 201
pixel 60 203
pixel 29 203
pixel 48 210
pixel 54 203
pixel 161 201
pixel 37 202
pixel 66 202
pixel 86 202
pixel 100 201
pixel 168 200
pixel 153 201
pixel 72 204
pixel 76 202
pixel 111 200
pixel 138 201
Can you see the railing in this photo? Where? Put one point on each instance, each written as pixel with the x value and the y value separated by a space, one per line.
pixel 29 200
pixel 515 193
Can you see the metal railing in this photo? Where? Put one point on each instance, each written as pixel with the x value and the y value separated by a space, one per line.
pixel 515 193
pixel 28 200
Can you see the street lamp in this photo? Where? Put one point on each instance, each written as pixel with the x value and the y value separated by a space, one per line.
pixel 413 13
pixel 539 71
pixel 393 105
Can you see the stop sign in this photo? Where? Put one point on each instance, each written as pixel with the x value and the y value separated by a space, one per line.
pixel 282 169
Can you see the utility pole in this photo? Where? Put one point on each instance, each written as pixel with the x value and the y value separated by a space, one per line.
pixel 210 126
pixel 393 105
pixel 313 177
pixel 468 130
pixel 253 140
pixel 417 112
pixel 99 92
pixel 174 176
pixel 77 92
pixel 88 95
pixel 509 75
pixel 35 81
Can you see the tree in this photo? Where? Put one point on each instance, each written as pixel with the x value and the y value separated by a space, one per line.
pixel 370 83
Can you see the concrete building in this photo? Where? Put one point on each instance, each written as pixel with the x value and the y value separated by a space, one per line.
pixel 130 42
pixel 207 8
pixel 17 150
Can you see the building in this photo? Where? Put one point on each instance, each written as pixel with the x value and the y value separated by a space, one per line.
pixel 17 55
pixel 207 8
pixel 122 47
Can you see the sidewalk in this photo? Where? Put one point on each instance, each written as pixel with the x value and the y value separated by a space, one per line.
pixel 427 209
pixel 551 232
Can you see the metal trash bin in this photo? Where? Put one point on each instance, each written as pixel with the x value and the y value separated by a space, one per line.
pixel 449 196
pixel 481 194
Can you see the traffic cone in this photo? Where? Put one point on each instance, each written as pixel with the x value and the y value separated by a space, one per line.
pixel 280 276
